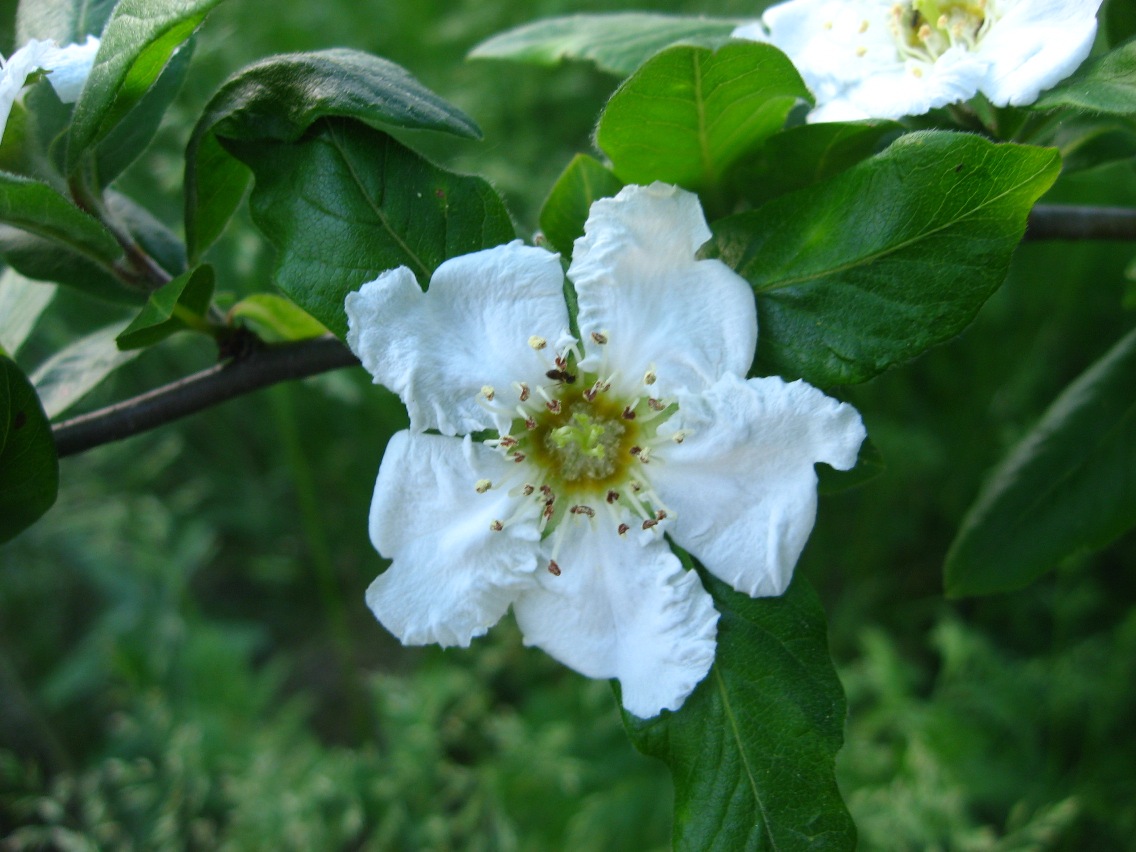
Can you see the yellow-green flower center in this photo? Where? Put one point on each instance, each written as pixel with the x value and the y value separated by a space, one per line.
pixel 926 29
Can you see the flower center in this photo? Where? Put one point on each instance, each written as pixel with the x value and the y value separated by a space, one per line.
pixel 581 449
pixel 926 29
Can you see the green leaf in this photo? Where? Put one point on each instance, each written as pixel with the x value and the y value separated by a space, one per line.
pixel 348 202
pixel 1068 486
pixel 274 318
pixel 278 99
pixel 37 208
pixel 617 44
pixel 566 209
pixel 65 21
pixel 167 309
pixel 138 41
pixel 47 260
pixel 689 114
pixel 752 749
pixel 1106 84
pixel 21 303
pixel 29 469
pixel 809 153
pixel 890 257
pixel 128 139
pixel 68 375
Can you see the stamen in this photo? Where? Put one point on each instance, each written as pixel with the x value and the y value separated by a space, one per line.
pixel 622 529
pixel 553 406
pixel 553 568
pixel 583 510
pixel 612 496
pixel 523 390
pixel 650 522
pixel 482 486
pixel 655 404
pixel 649 377
pixel 537 342
pixel 628 413
pixel 496 526
pixel 518 457
pixel 488 392
pixel 599 337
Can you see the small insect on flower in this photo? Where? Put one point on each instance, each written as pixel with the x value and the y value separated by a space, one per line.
pixel 592 451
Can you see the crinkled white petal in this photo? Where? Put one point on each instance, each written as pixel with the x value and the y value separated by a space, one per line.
pixel 741 485
pixel 623 610
pixel 451 576
pixel 470 329
pixel 1035 44
pixel 70 66
pixel 639 286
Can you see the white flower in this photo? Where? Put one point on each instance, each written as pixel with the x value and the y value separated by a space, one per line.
pixel 599 445
pixel 887 59
pixel 67 70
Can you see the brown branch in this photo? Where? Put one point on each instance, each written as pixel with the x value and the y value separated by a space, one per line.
pixel 1079 222
pixel 259 369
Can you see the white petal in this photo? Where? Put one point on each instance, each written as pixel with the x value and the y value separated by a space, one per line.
pixel 70 66
pixel 741 485
pixel 15 74
pixel 451 576
pixel 1034 45
pixel 640 286
pixel 619 609
pixel 438 349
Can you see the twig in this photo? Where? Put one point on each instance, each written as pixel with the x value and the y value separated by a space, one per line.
pixel 1077 222
pixel 258 369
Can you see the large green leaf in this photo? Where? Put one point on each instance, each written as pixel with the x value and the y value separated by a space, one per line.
pixel 138 41
pixel 617 43
pixel 1105 84
pixel 65 21
pixel 47 260
pixel 898 253
pixel 809 153
pixel 752 749
pixel 29 469
pixel 348 202
pixel 689 114
pixel 278 99
pixel 1068 486
pixel 565 211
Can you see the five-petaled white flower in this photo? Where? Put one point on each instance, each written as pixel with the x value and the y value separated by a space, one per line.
pixel 643 425
pixel 67 69
pixel 887 59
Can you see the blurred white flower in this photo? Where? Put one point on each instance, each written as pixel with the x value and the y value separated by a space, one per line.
pixel 589 449
pixel 67 70
pixel 887 59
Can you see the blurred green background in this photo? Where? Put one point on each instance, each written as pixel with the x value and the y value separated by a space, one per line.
pixel 186 660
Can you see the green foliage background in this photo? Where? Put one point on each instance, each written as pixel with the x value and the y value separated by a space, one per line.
pixel 186 660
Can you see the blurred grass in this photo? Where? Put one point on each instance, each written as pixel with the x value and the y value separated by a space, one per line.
pixel 186 660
